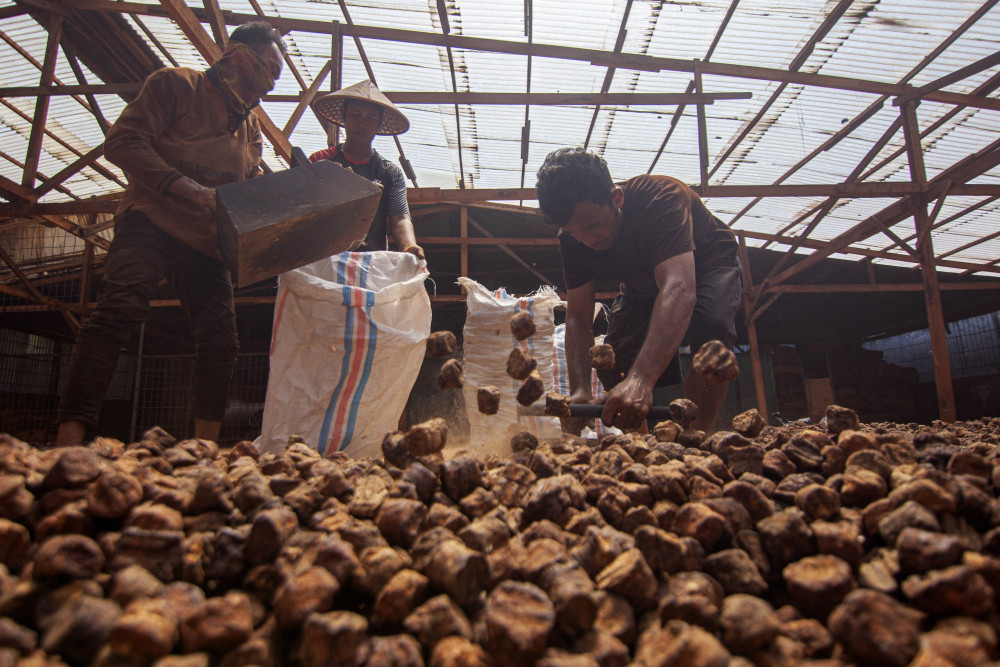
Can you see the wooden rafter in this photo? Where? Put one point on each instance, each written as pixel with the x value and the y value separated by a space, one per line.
pixel 800 59
pixel 403 162
pixel 42 103
pixel 81 79
pixel 856 250
pixel 598 57
pixel 679 111
pixel 62 142
pixel 216 22
pixel 966 169
pixel 76 167
pixel 442 11
pixel 306 100
pixel 965 72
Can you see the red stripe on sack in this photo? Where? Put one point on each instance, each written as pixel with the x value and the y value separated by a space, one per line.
pixel 358 352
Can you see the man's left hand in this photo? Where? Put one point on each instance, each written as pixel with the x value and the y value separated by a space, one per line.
pixel 627 404
pixel 415 250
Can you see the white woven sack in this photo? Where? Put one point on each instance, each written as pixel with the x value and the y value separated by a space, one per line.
pixel 487 342
pixel 347 344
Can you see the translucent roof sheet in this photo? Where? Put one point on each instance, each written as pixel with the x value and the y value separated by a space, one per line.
pixel 479 145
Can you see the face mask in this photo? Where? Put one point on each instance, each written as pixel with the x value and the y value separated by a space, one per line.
pixel 245 75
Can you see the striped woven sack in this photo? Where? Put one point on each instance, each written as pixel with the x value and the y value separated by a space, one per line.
pixel 347 343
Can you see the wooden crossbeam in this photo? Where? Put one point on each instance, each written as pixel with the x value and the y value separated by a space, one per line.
pixel 543 99
pixel 71 90
pixel 503 245
pixel 306 99
pixel 70 169
pixel 983 64
pixel 966 169
pixel 76 230
pixel 634 61
pixel 833 288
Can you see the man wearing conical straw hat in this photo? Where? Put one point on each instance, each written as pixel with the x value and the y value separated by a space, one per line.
pixel 363 111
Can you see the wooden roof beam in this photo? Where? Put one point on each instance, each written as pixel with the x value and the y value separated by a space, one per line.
pixel 596 57
pixel 800 59
pixel 216 22
pixel 81 79
pixel 679 111
pixel 857 250
pixel 610 74
pixel 966 169
pixel 87 160
pixel 59 140
pixel 958 75
pixel 306 99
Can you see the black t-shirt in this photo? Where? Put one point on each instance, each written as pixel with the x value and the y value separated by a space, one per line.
pixel 393 201
pixel 661 218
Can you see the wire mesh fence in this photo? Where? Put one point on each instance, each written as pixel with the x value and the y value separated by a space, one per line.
pixel 147 391
pixel 973 348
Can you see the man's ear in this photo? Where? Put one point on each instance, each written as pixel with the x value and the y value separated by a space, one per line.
pixel 618 196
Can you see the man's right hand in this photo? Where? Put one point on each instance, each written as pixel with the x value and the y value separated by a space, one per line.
pixel 194 192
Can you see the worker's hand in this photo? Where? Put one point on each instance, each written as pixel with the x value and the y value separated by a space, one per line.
pixel 194 192
pixel 415 250
pixel 575 425
pixel 627 405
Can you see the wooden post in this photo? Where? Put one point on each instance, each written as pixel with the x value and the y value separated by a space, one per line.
pixel 758 371
pixel 928 270
pixel 463 232
pixel 702 127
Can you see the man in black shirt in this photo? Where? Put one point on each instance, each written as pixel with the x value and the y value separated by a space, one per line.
pixel 363 111
pixel 679 273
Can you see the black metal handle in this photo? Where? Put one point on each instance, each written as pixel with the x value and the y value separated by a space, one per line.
pixel 658 412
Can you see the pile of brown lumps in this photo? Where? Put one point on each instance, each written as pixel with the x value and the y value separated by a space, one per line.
pixel 838 544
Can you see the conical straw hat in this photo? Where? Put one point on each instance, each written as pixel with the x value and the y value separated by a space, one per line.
pixel 331 107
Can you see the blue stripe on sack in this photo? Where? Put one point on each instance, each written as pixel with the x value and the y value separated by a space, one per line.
pixel 371 335
pixel 345 363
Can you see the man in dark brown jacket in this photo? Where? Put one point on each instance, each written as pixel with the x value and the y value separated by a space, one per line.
pixel 184 134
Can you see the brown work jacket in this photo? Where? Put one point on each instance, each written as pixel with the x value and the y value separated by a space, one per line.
pixel 179 126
